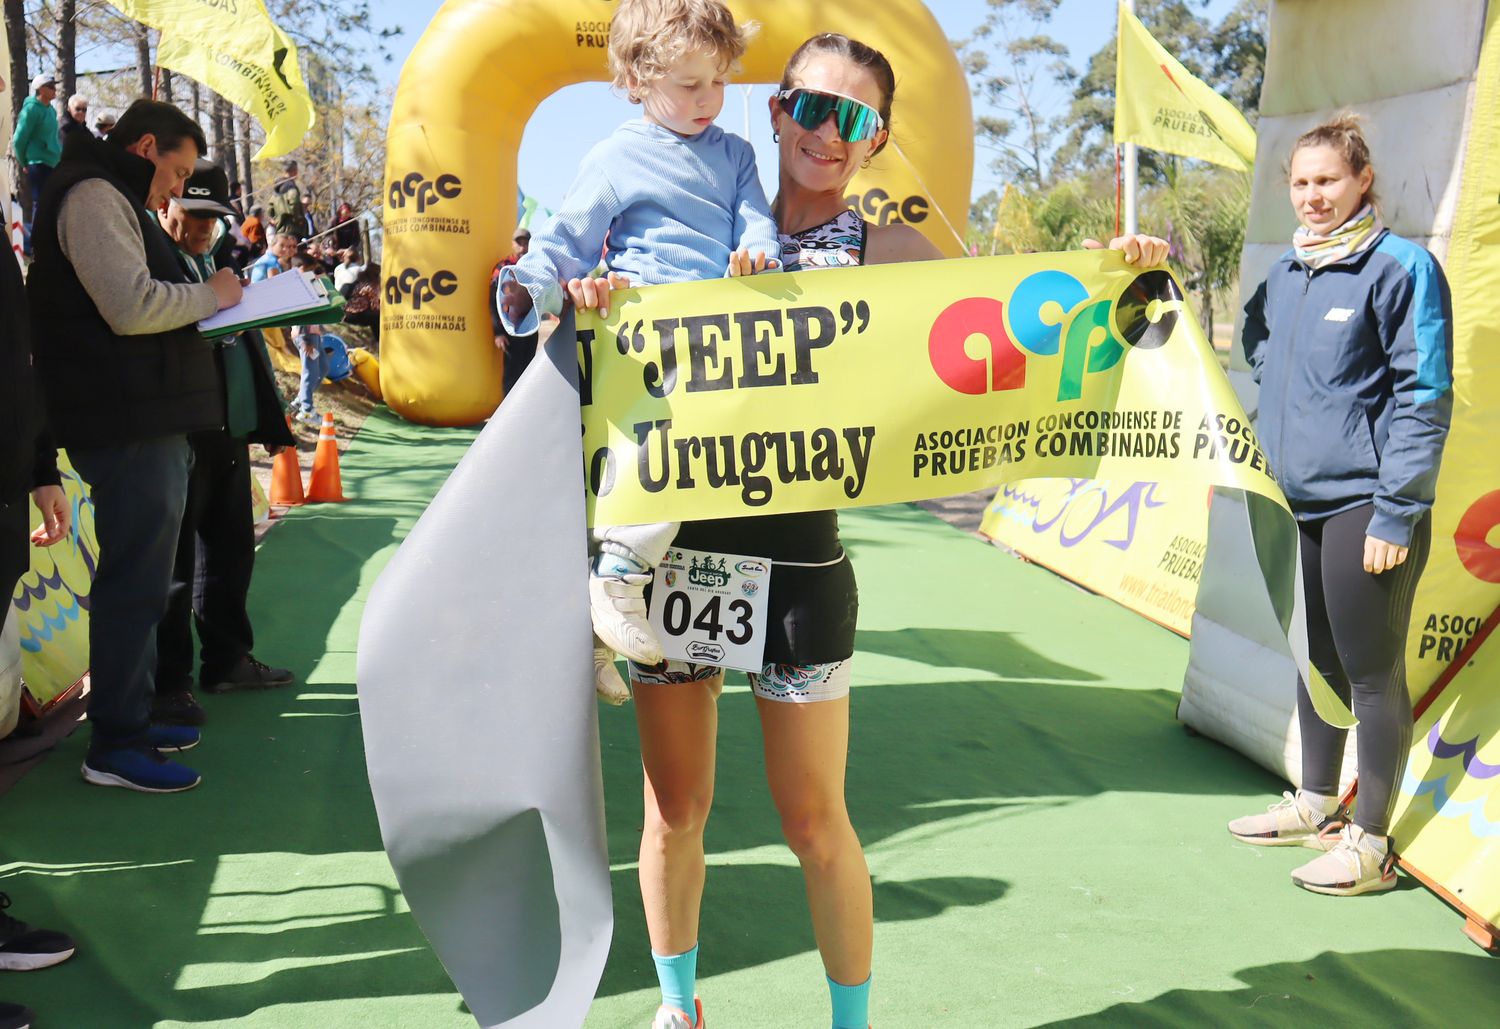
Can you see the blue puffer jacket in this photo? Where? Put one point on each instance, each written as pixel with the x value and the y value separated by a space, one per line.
pixel 1355 365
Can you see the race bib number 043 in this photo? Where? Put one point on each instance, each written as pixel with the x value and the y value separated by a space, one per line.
pixel 710 609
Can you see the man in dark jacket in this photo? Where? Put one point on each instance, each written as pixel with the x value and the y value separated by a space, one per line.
pixel 216 548
pixel 27 463
pixel 127 376
pixel 287 208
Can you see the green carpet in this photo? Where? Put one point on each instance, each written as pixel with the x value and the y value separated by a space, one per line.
pixel 1047 844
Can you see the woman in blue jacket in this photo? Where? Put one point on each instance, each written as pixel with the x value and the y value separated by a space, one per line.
pixel 1351 340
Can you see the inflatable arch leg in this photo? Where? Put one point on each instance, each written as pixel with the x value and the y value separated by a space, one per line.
pixel 466 93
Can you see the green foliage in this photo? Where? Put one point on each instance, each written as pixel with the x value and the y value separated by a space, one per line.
pixel 1009 59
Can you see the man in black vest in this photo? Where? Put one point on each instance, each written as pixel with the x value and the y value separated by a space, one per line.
pixel 126 375
pixel 28 462
pixel 216 548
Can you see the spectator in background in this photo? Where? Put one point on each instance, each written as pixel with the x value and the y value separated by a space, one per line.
pixel 520 243
pixel 287 210
pixel 28 464
pixel 127 375
pixel 254 228
pixel 346 233
pixel 104 124
pixel 518 350
pixel 74 119
pixel 276 259
pixel 363 300
pixel 216 546
pixel 347 271
pixel 35 140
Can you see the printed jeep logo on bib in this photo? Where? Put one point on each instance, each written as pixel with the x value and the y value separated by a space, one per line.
pixel 709 574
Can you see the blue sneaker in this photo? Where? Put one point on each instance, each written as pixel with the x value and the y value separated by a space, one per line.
pixel 172 739
pixel 139 768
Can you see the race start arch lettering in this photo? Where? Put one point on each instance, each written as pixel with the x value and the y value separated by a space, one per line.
pixel 470 86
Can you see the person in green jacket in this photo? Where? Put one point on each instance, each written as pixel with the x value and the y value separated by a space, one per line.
pixel 35 141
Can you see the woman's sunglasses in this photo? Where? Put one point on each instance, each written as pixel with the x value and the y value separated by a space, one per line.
pixel 810 108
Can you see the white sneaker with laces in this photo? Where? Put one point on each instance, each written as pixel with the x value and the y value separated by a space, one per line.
pixel 607 682
pixel 1290 822
pixel 671 1018
pixel 617 605
pixel 1356 864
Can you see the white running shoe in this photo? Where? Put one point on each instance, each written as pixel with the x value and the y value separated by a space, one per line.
pixel 671 1018
pixel 1356 864
pixel 617 605
pixel 1290 822
pixel 607 682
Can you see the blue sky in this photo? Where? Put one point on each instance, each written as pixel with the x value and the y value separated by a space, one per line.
pixel 566 124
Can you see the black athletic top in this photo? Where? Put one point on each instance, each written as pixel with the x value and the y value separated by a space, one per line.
pixel 814 600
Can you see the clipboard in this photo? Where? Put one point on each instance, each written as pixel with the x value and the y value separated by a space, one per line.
pixel 286 299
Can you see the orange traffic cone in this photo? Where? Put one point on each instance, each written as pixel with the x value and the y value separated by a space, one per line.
pixel 286 477
pixel 324 483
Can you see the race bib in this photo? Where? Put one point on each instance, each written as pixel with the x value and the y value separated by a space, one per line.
pixel 710 609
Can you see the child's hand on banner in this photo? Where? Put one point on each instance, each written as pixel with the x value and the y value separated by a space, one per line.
pixel 591 294
pixel 741 263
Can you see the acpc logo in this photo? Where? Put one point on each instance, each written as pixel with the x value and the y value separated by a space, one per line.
pixel 422 289
pixel 425 192
pixel 1050 312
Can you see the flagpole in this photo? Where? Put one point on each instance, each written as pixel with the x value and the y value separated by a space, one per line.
pixel 1131 224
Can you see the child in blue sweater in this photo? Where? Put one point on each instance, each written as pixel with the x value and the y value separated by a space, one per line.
pixel 668 198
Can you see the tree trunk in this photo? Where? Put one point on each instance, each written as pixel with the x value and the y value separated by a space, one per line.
pixel 231 148
pixel 197 95
pixel 246 185
pixel 219 137
pixel 20 75
pixel 143 58
pixel 67 48
pixel 166 87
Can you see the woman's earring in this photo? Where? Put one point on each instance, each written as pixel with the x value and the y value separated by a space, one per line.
pixel 775 137
pixel 865 163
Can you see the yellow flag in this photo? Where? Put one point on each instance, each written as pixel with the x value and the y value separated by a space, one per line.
pixel 1161 105
pixel 236 50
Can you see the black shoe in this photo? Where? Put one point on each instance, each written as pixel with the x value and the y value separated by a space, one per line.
pixel 23 948
pixel 14 1016
pixel 177 708
pixel 249 674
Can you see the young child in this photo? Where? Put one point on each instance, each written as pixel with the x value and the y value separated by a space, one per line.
pixel 668 198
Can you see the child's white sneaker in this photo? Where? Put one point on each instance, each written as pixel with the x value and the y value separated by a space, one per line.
pixel 607 682
pixel 617 605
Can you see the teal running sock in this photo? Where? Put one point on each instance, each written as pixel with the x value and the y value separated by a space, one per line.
pixel 678 975
pixel 851 1005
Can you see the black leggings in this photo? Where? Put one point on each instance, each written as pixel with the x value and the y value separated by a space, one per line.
pixel 1356 634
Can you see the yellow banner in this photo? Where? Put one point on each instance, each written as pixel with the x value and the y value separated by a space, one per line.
pixel 875 385
pixel 843 388
pixel 234 48
pixel 52 599
pixel 1447 821
pixel 1161 105
pixel 1448 818
pixel 1139 543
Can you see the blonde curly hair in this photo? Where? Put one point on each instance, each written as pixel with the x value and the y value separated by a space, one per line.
pixel 648 36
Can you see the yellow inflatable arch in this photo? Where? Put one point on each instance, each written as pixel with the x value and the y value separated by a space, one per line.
pixel 465 95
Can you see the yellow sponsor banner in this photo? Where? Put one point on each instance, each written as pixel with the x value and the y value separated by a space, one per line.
pixel 1139 543
pixel 875 385
pixel 1447 821
pixel 52 599
pixel 830 389
pixel 1447 824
